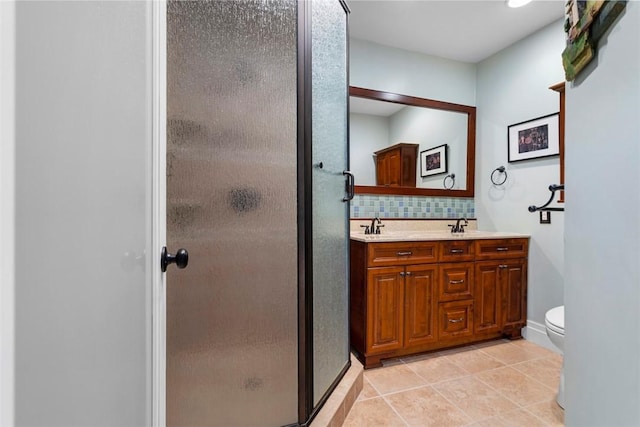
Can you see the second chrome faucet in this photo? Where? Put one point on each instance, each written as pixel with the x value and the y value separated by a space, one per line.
pixel 457 227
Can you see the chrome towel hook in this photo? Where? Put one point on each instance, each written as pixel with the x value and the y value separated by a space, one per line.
pixel 502 170
pixel 453 181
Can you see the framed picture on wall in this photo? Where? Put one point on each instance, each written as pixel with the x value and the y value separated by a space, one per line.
pixel 433 161
pixel 534 138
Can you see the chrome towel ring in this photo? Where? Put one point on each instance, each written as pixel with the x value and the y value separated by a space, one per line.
pixel 502 170
pixel 453 181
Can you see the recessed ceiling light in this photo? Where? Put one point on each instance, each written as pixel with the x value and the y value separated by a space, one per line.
pixel 517 3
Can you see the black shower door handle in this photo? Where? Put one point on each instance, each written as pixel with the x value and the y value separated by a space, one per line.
pixel 350 186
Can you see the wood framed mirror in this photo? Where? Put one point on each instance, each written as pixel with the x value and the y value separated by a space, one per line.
pixel 381 119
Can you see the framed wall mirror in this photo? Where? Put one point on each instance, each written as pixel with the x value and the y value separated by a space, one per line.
pixel 381 120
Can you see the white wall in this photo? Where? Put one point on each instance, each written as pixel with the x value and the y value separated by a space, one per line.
pixel 7 210
pixel 513 87
pixel 368 133
pixel 602 290
pixel 431 129
pixel 374 66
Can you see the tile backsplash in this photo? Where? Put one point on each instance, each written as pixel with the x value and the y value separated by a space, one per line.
pixel 369 206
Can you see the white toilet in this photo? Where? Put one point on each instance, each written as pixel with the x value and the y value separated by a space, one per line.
pixel 554 322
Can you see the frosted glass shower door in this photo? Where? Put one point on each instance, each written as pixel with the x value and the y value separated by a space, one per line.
pixel 330 211
pixel 232 343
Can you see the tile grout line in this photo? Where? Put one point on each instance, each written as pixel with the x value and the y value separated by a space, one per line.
pixel 395 410
pixel 473 419
pixel 537 417
pixel 419 386
pixel 532 377
pixel 496 390
pixel 387 402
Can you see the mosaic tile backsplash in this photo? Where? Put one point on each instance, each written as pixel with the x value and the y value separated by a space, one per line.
pixel 370 206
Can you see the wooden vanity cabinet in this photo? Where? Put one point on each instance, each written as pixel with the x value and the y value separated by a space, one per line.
pixel 411 297
pixel 396 165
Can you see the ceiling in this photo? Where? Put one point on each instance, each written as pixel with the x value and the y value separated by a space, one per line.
pixel 467 31
pixel 373 107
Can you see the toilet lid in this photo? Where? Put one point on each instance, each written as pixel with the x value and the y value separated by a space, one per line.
pixel 555 318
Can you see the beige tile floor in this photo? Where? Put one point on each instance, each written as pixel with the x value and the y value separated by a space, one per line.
pixel 493 384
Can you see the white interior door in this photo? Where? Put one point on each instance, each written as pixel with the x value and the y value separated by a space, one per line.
pixel 84 252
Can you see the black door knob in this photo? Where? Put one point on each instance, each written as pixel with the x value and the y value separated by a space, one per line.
pixel 181 258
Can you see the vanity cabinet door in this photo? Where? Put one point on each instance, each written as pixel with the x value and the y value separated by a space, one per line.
pixel 488 297
pixel 501 296
pixel 385 309
pixel 387 169
pixel 420 304
pixel 514 291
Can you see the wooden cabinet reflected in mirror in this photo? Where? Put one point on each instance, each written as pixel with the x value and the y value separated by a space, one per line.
pixel 381 120
pixel 396 165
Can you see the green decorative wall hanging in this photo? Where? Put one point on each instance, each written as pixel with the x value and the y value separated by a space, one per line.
pixel 586 21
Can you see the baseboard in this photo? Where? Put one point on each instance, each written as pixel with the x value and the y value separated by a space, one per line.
pixel 537 334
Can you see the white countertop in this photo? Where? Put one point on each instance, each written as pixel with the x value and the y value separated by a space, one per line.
pixel 417 235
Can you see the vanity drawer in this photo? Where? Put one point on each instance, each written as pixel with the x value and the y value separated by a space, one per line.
pixel 501 248
pixel 456 319
pixel 456 281
pixel 457 250
pixel 401 253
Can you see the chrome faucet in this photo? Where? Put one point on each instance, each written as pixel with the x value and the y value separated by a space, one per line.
pixel 373 228
pixel 457 227
pixel 377 228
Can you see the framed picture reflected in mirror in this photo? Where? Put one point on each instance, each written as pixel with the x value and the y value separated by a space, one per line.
pixel 433 161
